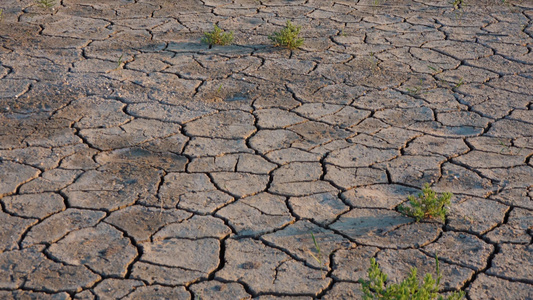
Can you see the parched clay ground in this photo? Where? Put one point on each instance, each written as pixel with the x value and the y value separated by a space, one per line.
pixel 138 163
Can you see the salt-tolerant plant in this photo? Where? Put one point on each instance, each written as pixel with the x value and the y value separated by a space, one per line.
pixel 506 148
pixel 460 83
pixel 218 37
pixel 408 289
pixel 417 89
pixel 427 205
pixel 414 91
pixel 458 3
pixel 317 257
pixel 46 3
pixel 120 61
pixel 287 37
pixel 378 2
pixel 374 62
pixel 435 69
pixel 342 33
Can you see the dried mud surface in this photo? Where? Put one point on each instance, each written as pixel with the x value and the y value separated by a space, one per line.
pixel 138 163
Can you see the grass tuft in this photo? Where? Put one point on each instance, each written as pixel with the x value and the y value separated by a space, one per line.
pixel 317 257
pixel 218 37
pixel 287 37
pixel 410 288
pixel 427 205
pixel 46 3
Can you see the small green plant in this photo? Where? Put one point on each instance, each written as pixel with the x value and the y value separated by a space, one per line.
pixel 317 257
pixel 427 205
pixel 417 89
pixel 287 37
pixel 409 289
pixel 460 83
pixel 46 3
pixel 377 3
pixel 374 62
pixel 435 69
pixel 414 91
pixel 120 61
pixel 1 14
pixel 458 3
pixel 218 37
pixel 507 148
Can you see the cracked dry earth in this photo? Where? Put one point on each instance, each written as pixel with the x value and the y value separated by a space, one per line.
pixel 138 163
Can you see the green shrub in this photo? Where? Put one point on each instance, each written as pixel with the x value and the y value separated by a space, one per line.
pixel 427 205
pixel 287 37
pixel 218 37
pixel 409 289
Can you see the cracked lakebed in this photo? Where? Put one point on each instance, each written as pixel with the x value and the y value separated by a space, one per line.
pixel 138 163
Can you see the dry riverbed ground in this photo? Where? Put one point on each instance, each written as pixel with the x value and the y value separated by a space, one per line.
pixel 137 162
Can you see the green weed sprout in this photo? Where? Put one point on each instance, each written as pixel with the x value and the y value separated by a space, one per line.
pixel 119 62
pixel 460 83
pixel 218 37
pixel 413 91
pixel 317 257
pixel 409 289
pixel 287 37
pixel 427 205
pixel 458 3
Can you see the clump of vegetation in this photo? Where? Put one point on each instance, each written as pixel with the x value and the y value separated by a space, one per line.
pixel 218 37
pixel 409 289
pixel 46 3
pixel 427 205
pixel 287 37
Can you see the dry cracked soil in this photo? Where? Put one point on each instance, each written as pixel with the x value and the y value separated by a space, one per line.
pixel 138 163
